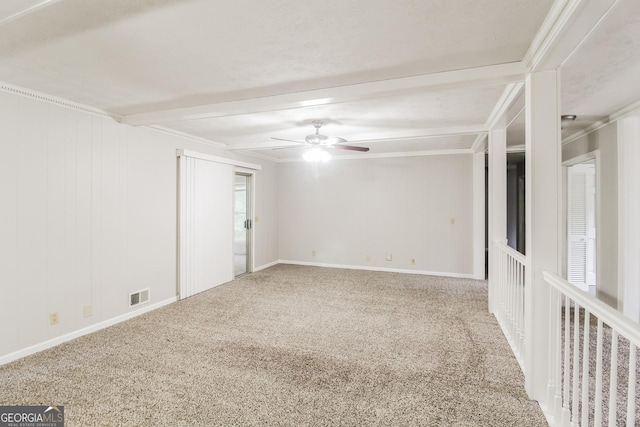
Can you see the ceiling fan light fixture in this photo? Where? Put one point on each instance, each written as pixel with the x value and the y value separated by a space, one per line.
pixel 316 154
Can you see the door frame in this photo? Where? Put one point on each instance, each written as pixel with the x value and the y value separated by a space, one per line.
pixel 595 156
pixel 250 174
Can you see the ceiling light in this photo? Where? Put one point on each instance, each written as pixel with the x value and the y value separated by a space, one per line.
pixel 566 119
pixel 316 154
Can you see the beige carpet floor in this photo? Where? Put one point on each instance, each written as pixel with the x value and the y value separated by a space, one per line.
pixel 291 346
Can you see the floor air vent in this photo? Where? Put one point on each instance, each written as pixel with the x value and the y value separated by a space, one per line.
pixel 139 297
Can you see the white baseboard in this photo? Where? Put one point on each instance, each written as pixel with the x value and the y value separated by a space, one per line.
pixel 271 264
pixel 84 331
pixel 389 270
pixel 551 420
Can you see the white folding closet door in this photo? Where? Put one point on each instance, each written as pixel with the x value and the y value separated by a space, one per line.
pixel 206 225
pixel 582 226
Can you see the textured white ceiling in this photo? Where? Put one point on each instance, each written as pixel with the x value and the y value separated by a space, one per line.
pixel 399 116
pixel 603 74
pixel 138 56
pixel 129 57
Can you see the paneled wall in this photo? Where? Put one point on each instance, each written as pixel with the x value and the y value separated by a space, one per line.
pixel 418 210
pixel 88 215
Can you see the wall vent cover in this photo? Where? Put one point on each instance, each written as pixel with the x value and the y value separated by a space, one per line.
pixel 139 297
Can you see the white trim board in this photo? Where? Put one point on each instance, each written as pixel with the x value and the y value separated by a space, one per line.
pixel 28 10
pixel 7 358
pixel 387 155
pixel 388 270
pixel 224 160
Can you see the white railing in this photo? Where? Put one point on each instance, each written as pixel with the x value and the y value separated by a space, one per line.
pixel 509 297
pixel 587 388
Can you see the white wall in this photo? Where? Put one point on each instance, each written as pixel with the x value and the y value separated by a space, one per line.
pixel 629 212
pixel 88 215
pixel 266 215
pixel 347 210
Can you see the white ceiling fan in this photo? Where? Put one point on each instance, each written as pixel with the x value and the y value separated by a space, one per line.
pixel 318 141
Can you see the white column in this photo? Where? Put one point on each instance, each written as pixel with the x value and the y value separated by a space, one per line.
pixel 543 213
pixel 497 201
pixel 478 215
pixel 628 214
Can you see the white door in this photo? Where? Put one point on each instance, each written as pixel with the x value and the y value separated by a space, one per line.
pixel 581 225
pixel 206 218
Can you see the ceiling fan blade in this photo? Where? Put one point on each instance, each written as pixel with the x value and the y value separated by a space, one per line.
pixel 335 140
pixel 287 147
pixel 350 147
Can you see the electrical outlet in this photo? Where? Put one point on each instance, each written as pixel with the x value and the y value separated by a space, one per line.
pixel 87 310
pixel 389 256
pixel 313 253
pixel 413 261
pixel 54 318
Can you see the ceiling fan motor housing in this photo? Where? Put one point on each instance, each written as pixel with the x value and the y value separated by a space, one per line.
pixel 315 138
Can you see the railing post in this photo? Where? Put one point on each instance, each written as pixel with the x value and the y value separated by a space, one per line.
pixel 497 205
pixel 543 210
pixel 553 388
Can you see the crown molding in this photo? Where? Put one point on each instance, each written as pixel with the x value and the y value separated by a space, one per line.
pixel 187 136
pixel 553 25
pixel 62 102
pixel 633 108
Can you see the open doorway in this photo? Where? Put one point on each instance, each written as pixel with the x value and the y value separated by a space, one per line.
pixel 582 220
pixel 242 224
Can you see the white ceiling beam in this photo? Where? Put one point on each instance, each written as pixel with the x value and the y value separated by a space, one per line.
pixel 480 143
pixel 567 25
pixel 497 117
pixel 27 10
pixel 365 156
pixel 479 76
pixel 429 133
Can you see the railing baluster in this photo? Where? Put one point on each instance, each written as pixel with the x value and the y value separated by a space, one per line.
pixel 576 362
pixel 631 393
pixel 564 405
pixel 507 290
pixel 553 351
pixel 585 371
pixel 613 382
pixel 510 295
pixel 520 285
pixel 567 369
pixel 597 417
